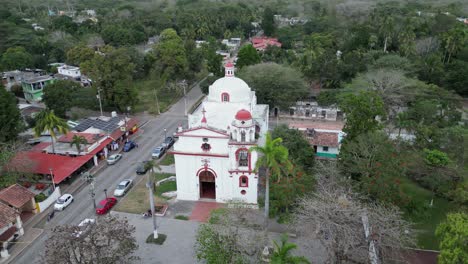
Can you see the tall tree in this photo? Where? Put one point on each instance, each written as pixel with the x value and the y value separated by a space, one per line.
pixel 79 54
pixel 170 55
pixel 273 157
pixel 298 147
pixel 453 234
pixel 361 111
pixel 274 84
pixel 47 121
pixel 78 141
pixel 58 96
pixel 268 22
pixel 247 55
pixel 16 58
pixel 108 240
pixel 10 116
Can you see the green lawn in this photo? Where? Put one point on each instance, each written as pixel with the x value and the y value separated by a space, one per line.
pixel 166 187
pixel 427 218
pixel 146 97
pixel 168 160
pixel 160 176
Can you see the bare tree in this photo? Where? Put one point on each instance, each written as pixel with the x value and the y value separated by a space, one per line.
pixel 425 46
pixel 107 241
pixel 337 218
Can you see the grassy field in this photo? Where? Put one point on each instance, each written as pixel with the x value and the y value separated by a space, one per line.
pixel 428 218
pixel 136 201
pixel 147 100
pixel 168 160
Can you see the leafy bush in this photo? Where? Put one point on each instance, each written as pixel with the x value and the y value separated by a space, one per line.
pixel 40 197
pixel 181 217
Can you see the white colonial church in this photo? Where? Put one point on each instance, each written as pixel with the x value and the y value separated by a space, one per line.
pixel 211 156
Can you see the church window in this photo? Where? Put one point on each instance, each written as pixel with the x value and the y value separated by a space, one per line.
pixel 243 181
pixel 243 192
pixel 206 147
pixel 224 97
pixel 243 158
pixel 242 136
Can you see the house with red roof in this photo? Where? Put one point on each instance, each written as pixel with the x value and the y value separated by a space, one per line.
pixel 11 227
pixel 261 43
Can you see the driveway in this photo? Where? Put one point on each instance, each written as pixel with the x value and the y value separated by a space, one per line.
pixel 151 135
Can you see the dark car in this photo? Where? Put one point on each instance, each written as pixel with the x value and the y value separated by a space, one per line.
pixel 142 169
pixel 168 142
pixel 129 146
pixel 158 152
pixel 105 205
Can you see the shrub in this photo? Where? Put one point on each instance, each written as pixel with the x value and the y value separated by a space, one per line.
pixel 27 184
pixel 40 186
pixel 40 197
pixel 181 217
pixel 159 241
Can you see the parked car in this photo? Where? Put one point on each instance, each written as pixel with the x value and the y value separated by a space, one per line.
pixel 158 152
pixel 105 205
pixel 112 159
pixel 142 169
pixel 62 202
pixel 129 145
pixel 83 226
pixel 123 187
pixel 168 142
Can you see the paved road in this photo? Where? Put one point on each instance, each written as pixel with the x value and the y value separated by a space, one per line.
pixel 152 134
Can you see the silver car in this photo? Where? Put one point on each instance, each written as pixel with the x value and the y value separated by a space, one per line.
pixel 112 159
pixel 123 187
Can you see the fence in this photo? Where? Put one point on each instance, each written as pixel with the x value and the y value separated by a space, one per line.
pixel 41 206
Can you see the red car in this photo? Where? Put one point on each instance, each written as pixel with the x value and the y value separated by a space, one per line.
pixel 105 205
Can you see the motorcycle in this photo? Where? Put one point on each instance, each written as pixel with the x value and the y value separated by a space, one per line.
pixel 50 216
pixel 147 214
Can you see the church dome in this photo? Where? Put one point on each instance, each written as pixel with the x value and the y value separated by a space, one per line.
pixel 243 115
pixel 237 90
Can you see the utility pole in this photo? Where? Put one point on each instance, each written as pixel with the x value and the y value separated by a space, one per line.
pixel 90 180
pixel 52 176
pixel 150 185
pixel 367 232
pixel 99 98
pixel 185 97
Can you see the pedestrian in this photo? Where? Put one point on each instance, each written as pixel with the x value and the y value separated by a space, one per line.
pixel 136 145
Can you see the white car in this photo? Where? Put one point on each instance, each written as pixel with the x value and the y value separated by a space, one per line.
pixel 83 226
pixel 112 159
pixel 62 202
pixel 123 187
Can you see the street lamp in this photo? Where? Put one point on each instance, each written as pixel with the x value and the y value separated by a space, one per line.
pixel 99 98
pixel 165 133
pixel 105 193
pixel 52 176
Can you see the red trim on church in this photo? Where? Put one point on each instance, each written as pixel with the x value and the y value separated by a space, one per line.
pixel 207 169
pixel 249 157
pixel 198 128
pixel 199 154
pixel 246 184
pixel 228 97
pixel 198 136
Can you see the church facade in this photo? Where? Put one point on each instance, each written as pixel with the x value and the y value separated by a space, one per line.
pixel 212 156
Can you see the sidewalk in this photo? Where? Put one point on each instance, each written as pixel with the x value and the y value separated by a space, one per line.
pixel 24 241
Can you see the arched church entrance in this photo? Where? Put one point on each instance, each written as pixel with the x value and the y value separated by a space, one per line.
pixel 207 185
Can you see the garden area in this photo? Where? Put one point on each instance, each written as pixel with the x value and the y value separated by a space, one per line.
pixel 136 201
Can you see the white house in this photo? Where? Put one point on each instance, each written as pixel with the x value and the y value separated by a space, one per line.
pixel 70 71
pixel 212 157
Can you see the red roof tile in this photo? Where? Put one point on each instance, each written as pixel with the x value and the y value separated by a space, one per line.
pixel 327 139
pixel 7 215
pixel 41 146
pixel 16 195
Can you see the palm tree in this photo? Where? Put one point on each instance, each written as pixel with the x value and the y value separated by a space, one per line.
pixel 46 120
pixel 149 165
pixel 78 141
pixel 274 158
pixel 282 253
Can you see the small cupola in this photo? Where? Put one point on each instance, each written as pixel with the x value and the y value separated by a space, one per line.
pixel 229 69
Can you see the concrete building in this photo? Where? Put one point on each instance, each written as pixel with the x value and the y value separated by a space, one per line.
pixel 212 156
pixel 33 87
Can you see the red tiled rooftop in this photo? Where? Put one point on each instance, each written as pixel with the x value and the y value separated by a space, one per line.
pixel 328 139
pixel 41 146
pixel 16 195
pixel 7 215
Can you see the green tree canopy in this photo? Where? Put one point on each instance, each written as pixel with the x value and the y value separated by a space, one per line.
pixel 275 85
pixel 47 121
pixel 79 54
pixel 10 116
pixel 268 22
pixel 58 96
pixel 453 235
pixel 300 151
pixel 247 55
pixel 170 55
pixel 361 111
pixel 16 58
